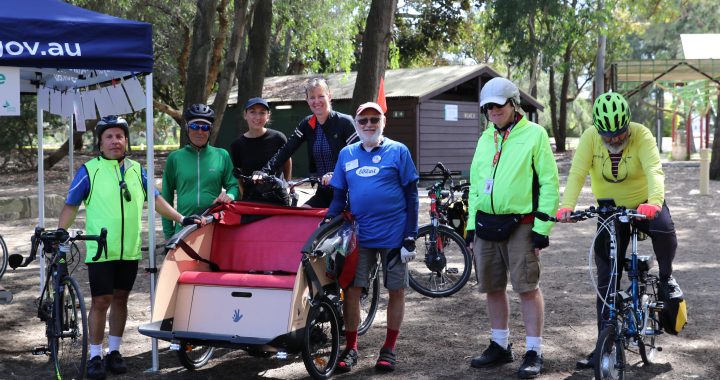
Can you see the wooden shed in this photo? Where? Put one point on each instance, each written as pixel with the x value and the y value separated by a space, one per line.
pixel 434 111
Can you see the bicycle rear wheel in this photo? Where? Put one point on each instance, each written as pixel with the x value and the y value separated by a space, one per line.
pixel 369 304
pixel 321 340
pixel 609 356
pixel 68 345
pixel 443 263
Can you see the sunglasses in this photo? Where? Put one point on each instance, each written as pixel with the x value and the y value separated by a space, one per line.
pixel 125 191
pixel 200 127
pixel 490 106
pixel 365 120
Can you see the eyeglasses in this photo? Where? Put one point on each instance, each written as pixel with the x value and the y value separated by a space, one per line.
pixel 490 106
pixel 198 126
pixel 621 174
pixel 365 120
pixel 125 191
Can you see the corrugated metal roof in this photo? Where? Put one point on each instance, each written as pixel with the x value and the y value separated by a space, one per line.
pixel 414 83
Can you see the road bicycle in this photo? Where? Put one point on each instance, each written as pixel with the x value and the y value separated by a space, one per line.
pixel 291 185
pixel 632 322
pixel 444 262
pixel 61 304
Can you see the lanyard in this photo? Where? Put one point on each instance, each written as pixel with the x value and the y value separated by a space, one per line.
pixel 499 144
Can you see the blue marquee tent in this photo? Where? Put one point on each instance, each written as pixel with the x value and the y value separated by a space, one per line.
pixel 58 45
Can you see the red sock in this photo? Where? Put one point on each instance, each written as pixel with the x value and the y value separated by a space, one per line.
pixel 351 339
pixel 391 338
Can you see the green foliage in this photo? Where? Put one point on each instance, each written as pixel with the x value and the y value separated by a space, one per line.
pixel 427 29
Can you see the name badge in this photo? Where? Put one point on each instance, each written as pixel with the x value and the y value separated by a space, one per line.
pixel 488 185
pixel 351 165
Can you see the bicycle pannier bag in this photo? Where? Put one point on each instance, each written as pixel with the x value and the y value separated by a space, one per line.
pixel 673 315
pixel 495 227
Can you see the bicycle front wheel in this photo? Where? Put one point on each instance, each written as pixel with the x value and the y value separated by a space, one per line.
pixel 443 264
pixel 194 357
pixel 646 340
pixel 609 355
pixel 369 304
pixel 68 332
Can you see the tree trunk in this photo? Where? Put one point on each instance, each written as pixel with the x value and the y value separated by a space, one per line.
pixel 715 154
pixel 218 46
pixel 59 154
pixel 535 59
pixel 564 89
pixel 553 105
pixel 231 61
pixel 252 72
pixel 373 61
pixel 199 62
pixel 600 65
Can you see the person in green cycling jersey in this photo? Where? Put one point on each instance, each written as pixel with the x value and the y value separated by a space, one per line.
pixel 513 174
pixel 200 174
pixel 624 164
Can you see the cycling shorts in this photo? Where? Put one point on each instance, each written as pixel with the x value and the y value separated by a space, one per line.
pixel 107 276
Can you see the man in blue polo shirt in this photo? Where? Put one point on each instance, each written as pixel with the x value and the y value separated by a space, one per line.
pixel 378 179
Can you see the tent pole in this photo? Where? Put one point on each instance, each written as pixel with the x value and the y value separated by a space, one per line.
pixel 71 149
pixel 149 137
pixel 41 185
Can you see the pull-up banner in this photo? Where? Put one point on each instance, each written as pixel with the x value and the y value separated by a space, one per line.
pixel 9 91
pixel 55 34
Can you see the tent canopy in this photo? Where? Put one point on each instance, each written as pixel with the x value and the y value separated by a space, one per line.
pixel 81 47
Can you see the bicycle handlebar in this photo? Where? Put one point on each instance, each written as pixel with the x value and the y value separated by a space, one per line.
pixel 50 237
pixel 312 180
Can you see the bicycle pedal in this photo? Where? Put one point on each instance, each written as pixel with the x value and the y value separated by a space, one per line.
pixel 452 271
pixel 42 350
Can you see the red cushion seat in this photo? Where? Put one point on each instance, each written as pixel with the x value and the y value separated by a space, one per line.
pixel 246 280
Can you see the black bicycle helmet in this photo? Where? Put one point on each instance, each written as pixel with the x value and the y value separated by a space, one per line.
pixel 199 111
pixel 112 121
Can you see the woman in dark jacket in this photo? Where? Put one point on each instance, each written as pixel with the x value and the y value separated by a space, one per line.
pixel 326 132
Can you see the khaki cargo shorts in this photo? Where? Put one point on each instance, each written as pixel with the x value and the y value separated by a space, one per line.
pixel 516 256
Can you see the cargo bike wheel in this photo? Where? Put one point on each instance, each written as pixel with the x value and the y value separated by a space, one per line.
pixel 194 357
pixel 321 340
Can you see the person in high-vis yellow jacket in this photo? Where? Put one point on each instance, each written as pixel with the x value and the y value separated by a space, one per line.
pixel 112 187
pixel 624 164
pixel 513 174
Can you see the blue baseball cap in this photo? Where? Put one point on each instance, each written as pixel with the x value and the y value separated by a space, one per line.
pixel 253 101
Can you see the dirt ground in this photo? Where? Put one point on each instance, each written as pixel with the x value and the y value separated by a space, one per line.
pixel 438 336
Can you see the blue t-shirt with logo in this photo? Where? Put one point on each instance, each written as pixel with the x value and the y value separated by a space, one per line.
pixel 375 182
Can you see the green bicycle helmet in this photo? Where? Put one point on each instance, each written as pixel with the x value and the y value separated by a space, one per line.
pixel 611 114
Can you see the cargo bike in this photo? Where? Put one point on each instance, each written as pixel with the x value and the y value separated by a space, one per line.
pixel 261 278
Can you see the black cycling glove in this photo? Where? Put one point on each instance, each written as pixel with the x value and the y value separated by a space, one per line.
pixel 540 241
pixel 190 220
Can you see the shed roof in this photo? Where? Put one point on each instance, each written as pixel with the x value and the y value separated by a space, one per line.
pixel 422 83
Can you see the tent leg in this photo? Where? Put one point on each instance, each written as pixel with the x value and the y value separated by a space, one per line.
pixel 71 149
pixel 149 128
pixel 41 186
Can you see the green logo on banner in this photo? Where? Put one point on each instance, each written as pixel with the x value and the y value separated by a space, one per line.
pixel 2 79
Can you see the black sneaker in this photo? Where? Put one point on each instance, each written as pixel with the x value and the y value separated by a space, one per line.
pixel 531 366
pixel 114 363
pixel 96 368
pixel 492 356
pixel 671 288
pixel 587 362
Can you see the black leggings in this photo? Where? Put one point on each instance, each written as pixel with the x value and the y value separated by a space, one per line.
pixel 661 231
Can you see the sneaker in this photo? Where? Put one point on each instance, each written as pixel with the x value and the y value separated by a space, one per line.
pixel 114 363
pixel 95 368
pixel 531 366
pixel 587 362
pixel 671 288
pixel 347 360
pixel 492 356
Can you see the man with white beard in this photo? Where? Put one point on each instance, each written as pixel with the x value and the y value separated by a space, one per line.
pixel 377 178
pixel 624 164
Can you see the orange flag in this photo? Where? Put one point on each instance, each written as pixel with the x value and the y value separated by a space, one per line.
pixel 381 96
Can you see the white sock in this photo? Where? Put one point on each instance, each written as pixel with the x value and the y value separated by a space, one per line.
pixel 114 343
pixel 533 343
pixel 95 350
pixel 500 336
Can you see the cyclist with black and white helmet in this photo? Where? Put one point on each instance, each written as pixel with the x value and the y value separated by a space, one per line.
pixel 112 187
pixel 199 173
pixel 624 164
